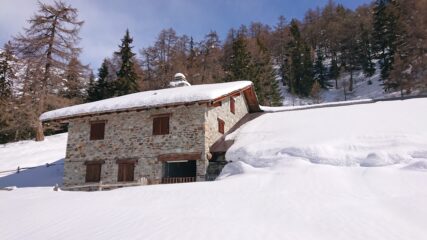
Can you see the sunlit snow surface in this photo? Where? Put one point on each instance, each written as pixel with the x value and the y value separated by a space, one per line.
pixel 152 98
pixel 351 172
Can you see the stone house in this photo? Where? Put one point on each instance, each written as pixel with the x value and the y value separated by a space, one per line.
pixel 159 136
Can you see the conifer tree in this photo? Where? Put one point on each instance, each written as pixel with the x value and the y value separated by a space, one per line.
pixel 7 72
pixel 91 88
pixel 320 73
pixel 264 76
pixel 239 65
pixel 127 78
pixel 334 71
pixel 300 65
pixel 386 15
pixel 366 53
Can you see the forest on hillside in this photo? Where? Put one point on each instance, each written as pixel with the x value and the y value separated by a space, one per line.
pixel 40 68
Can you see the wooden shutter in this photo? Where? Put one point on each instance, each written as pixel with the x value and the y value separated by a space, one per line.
pixel 161 125
pixel 232 105
pixel 221 124
pixel 93 172
pixel 97 130
pixel 126 172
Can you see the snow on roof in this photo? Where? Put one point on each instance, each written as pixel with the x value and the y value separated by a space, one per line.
pixel 148 99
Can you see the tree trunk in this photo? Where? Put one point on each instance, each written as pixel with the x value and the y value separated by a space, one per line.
pixel 350 87
pixel 39 132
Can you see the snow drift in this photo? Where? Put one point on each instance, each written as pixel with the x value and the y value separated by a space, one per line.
pixel 368 135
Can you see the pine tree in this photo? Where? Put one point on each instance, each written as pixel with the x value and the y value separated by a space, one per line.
pixel 308 76
pixel 386 15
pixel 238 67
pixel 7 72
pixel 300 65
pixel 334 71
pixel 320 74
pixel 127 78
pixel 366 53
pixel 264 76
pixel 91 89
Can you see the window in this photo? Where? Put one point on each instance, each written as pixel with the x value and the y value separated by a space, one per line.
pixel 93 172
pixel 161 125
pixel 221 126
pixel 232 105
pixel 97 130
pixel 126 171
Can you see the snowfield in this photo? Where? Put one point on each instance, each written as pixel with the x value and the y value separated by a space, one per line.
pixel 350 172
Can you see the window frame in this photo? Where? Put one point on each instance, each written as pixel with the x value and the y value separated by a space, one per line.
pixel 160 125
pixel 90 177
pixel 93 135
pixel 221 126
pixel 122 174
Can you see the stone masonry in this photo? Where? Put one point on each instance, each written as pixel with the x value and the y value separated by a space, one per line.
pixel 128 135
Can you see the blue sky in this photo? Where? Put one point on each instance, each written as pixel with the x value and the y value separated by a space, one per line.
pixel 107 20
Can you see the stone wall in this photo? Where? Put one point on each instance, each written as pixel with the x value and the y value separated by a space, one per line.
pixel 128 135
pixel 223 112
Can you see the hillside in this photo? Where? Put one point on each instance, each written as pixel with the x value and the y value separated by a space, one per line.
pixel 350 172
pixel 364 88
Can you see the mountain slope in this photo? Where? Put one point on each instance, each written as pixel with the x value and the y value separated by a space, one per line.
pixel 294 175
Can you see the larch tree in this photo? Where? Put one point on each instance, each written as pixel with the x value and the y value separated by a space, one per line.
pixel 49 42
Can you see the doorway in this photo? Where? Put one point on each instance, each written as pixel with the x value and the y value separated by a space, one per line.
pixel 180 171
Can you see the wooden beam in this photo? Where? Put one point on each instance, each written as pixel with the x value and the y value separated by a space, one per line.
pixel 131 161
pixel 179 156
pixel 94 162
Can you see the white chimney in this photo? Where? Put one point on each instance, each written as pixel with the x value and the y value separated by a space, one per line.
pixel 179 81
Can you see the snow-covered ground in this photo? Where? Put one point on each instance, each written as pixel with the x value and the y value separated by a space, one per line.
pixel 351 172
pixel 361 90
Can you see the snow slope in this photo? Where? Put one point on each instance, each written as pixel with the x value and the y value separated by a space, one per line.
pixel 45 158
pixel 361 90
pixel 375 134
pixel 289 179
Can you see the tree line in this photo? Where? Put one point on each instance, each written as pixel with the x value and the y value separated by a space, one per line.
pixel 40 68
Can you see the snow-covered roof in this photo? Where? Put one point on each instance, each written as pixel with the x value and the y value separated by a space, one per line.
pixel 150 99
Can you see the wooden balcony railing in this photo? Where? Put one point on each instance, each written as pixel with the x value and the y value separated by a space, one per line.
pixel 168 180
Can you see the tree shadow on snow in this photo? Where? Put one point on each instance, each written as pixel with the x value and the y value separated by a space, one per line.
pixel 40 176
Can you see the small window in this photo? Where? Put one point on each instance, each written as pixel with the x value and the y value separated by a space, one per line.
pixel 126 172
pixel 221 126
pixel 161 125
pixel 93 172
pixel 97 130
pixel 232 105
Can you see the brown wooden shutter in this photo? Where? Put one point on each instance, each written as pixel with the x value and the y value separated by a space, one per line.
pixel 126 172
pixel 161 125
pixel 93 172
pixel 232 105
pixel 221 124
pixel 97 130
